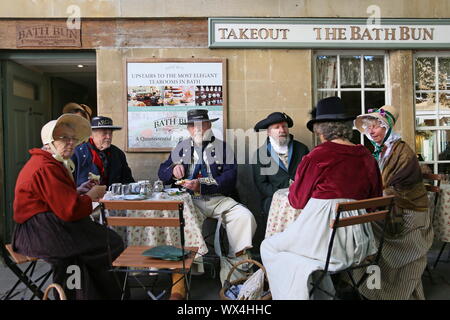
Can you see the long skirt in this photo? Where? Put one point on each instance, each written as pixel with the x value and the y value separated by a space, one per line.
pixel 403 259
pixel 68 245
pixel 292 257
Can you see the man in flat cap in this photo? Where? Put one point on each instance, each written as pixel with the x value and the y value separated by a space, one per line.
pixel 202 165
pixel 100 157
pixel 282 152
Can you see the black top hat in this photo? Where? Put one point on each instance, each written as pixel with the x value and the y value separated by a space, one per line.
pixel 272 118
pixel 196 115
pixel 101 122
pixel 328 110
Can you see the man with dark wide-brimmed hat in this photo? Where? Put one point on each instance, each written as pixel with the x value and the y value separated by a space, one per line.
pixel 100 157
pixel 284 153
pixel 202 165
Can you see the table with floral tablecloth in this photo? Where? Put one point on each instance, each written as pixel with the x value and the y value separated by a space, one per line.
pixel 155 236
pixel 281 214
pixel 441 222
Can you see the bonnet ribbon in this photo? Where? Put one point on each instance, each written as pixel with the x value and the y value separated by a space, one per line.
pixel 67 163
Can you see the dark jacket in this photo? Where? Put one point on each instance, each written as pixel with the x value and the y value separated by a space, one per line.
pixel 119 172
pixel 223 168
pixel 269 184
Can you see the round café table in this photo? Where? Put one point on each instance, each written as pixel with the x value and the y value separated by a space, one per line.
pixel 281 214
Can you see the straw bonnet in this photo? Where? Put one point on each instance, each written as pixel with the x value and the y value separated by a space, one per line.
pixel 73 107
pixel 387 114
pixel 81 125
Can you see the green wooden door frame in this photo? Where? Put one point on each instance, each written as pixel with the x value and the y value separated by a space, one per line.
pixel 63 56
pixel 22 121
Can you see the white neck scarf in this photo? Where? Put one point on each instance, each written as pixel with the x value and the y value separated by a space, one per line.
pixel 67 163
pixel 280 149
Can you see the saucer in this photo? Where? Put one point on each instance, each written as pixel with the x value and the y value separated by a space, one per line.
pixel 133 197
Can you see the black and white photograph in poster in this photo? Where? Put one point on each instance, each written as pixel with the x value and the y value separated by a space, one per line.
pixel 159 94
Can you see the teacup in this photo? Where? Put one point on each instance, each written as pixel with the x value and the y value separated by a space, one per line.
pixel 115 188
pixel 135 187
pixel 126 189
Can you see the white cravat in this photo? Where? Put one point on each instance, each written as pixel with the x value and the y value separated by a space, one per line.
pixel 281 150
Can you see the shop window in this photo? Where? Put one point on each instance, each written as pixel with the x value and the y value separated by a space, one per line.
pixel 358 78
pixel 432 105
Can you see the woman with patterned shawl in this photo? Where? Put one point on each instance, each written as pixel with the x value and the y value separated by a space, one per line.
pixel 409 233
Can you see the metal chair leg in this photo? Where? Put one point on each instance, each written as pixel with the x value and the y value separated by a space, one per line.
pixel 124 286
pixel 439 256
pixel 427 270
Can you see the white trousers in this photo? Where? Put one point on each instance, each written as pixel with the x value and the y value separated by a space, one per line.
pixel 238 221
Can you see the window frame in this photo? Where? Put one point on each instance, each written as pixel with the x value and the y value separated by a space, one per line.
pixel 362 89
pixel 437 128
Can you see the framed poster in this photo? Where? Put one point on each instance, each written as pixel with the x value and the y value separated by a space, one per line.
pixel 161 91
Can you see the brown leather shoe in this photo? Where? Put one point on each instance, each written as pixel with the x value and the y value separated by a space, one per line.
pixel 176 296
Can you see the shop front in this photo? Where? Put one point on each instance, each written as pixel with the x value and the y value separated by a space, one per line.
pixel 284 58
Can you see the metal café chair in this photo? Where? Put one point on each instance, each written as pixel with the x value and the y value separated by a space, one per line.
pixel 27 277
pixel 131 260
pixel 383 206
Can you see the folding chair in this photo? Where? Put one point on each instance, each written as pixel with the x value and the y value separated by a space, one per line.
pixel 433 185
pixel 377 210
pixel 132 256
pixel 13 260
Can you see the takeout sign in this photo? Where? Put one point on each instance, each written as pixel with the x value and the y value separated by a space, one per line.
pixel 327 33
pixel 401 33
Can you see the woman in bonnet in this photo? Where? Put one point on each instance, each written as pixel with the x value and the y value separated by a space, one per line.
pixel 409 234
pixel 52 215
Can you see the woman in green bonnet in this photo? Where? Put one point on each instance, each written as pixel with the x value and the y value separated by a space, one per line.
pixel 409 234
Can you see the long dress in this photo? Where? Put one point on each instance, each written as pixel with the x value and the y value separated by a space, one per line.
pixel 291 257
pixel 325 177
pixel 409 234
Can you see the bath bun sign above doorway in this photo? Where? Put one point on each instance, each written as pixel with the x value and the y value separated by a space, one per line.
pixel 47 34
pixel 328 33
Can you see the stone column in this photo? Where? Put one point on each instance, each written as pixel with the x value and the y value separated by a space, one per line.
pixel 402 92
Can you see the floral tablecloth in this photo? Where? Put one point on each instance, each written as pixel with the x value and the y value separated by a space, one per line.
pixel 441 222
pixel 281 213
pixel 154 236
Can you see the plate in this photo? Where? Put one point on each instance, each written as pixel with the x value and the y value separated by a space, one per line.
pixel 133 197
pixel 168 190
pixel 174 191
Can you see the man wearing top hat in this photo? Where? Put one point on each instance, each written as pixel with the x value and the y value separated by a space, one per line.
pixel 281 153
pixel 202 165
pixel 100 157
